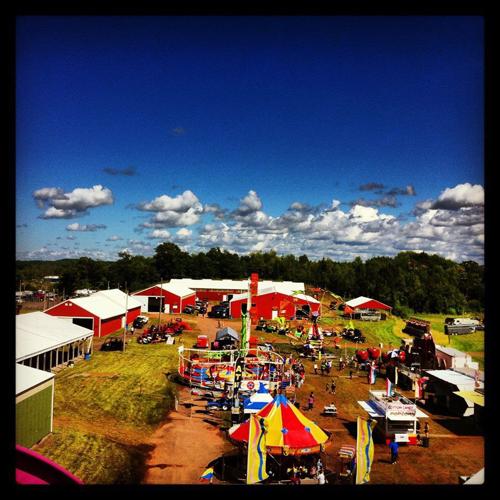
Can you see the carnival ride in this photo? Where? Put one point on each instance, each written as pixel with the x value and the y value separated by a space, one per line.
pixel 288 430
pixel 215 369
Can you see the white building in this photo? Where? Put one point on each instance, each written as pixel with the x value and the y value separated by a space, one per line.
pixel 396 416
pixel 448 357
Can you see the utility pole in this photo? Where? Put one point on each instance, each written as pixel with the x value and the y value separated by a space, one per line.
pixel 161 302
pixel 126 311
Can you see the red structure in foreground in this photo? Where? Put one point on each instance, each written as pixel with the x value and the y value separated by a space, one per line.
pixel 33 468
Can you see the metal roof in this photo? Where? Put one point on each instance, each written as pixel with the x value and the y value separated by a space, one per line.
pixel 473 396
pixel 38 332
pixel 234 284
pixel 361 300
pixel 178 289
pixel 370 409
pixel 451 351
pixel 453 377
pixel 119 298
pixel 27 377
pixel 100 306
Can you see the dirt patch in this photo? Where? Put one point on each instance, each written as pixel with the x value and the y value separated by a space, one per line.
pixel 184 446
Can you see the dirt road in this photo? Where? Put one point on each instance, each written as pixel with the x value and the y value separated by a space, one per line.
pixel 190 438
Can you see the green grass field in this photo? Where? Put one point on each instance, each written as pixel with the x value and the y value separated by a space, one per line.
pixel 105 409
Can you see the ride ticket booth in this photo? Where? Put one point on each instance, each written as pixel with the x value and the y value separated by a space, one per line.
pixel 397 417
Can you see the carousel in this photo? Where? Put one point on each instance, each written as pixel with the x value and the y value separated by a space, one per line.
pixel 292 440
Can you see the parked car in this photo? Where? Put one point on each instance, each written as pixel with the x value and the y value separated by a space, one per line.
pixel 218 312
pixel 219 404
pixel 113 344
pixel 140 321
pixel 189 310
pixel 300 314
pixel 200 308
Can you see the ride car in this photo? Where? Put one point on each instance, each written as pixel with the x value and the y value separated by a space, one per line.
pixel 219 404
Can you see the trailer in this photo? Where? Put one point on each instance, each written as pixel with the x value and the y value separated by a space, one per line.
pixel 461 326
pixel 397 417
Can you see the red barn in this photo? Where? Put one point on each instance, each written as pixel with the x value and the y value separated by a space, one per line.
pixel 97 312
pixel 171 298
pixel 367 303
pixel 123 300
pixel 274 301
pixel 217 290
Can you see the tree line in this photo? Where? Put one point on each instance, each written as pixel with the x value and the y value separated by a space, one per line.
pixel 409 282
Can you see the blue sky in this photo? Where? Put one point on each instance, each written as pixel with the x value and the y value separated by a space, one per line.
pixel 330 136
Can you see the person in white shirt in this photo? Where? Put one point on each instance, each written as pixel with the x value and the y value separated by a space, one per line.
pixel 321 477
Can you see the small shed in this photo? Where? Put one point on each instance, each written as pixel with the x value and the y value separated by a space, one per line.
pixel 170 298
pixel 34 404
pixel 448 357
pixel 46 343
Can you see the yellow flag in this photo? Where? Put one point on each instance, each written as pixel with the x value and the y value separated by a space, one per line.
pixel 256 458
pixel 364 450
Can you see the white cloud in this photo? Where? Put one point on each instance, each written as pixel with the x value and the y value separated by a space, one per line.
pixel 363 214
pixel 362 230
pixel 248 204
pixel 160 234
pixel 183 233
pixel 180 203
pixel 85 227
pixel 462 195
pixel 182 210
pixel 72 204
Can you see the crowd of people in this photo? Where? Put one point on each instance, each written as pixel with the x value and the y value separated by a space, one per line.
pixel 297 472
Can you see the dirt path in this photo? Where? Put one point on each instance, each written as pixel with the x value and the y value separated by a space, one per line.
pixel 190 439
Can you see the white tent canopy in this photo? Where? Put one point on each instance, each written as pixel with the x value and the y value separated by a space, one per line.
pixel 38 332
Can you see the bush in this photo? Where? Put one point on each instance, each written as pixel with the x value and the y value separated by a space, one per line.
pixel 474 306
pixel 403 312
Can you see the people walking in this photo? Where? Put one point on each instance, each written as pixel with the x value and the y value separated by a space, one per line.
pixel 327 387
pixel 315 368
pixel 310 401
pixel 333 387
pixel 394 447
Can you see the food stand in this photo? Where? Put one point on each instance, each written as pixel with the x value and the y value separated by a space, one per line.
pixel 396 416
